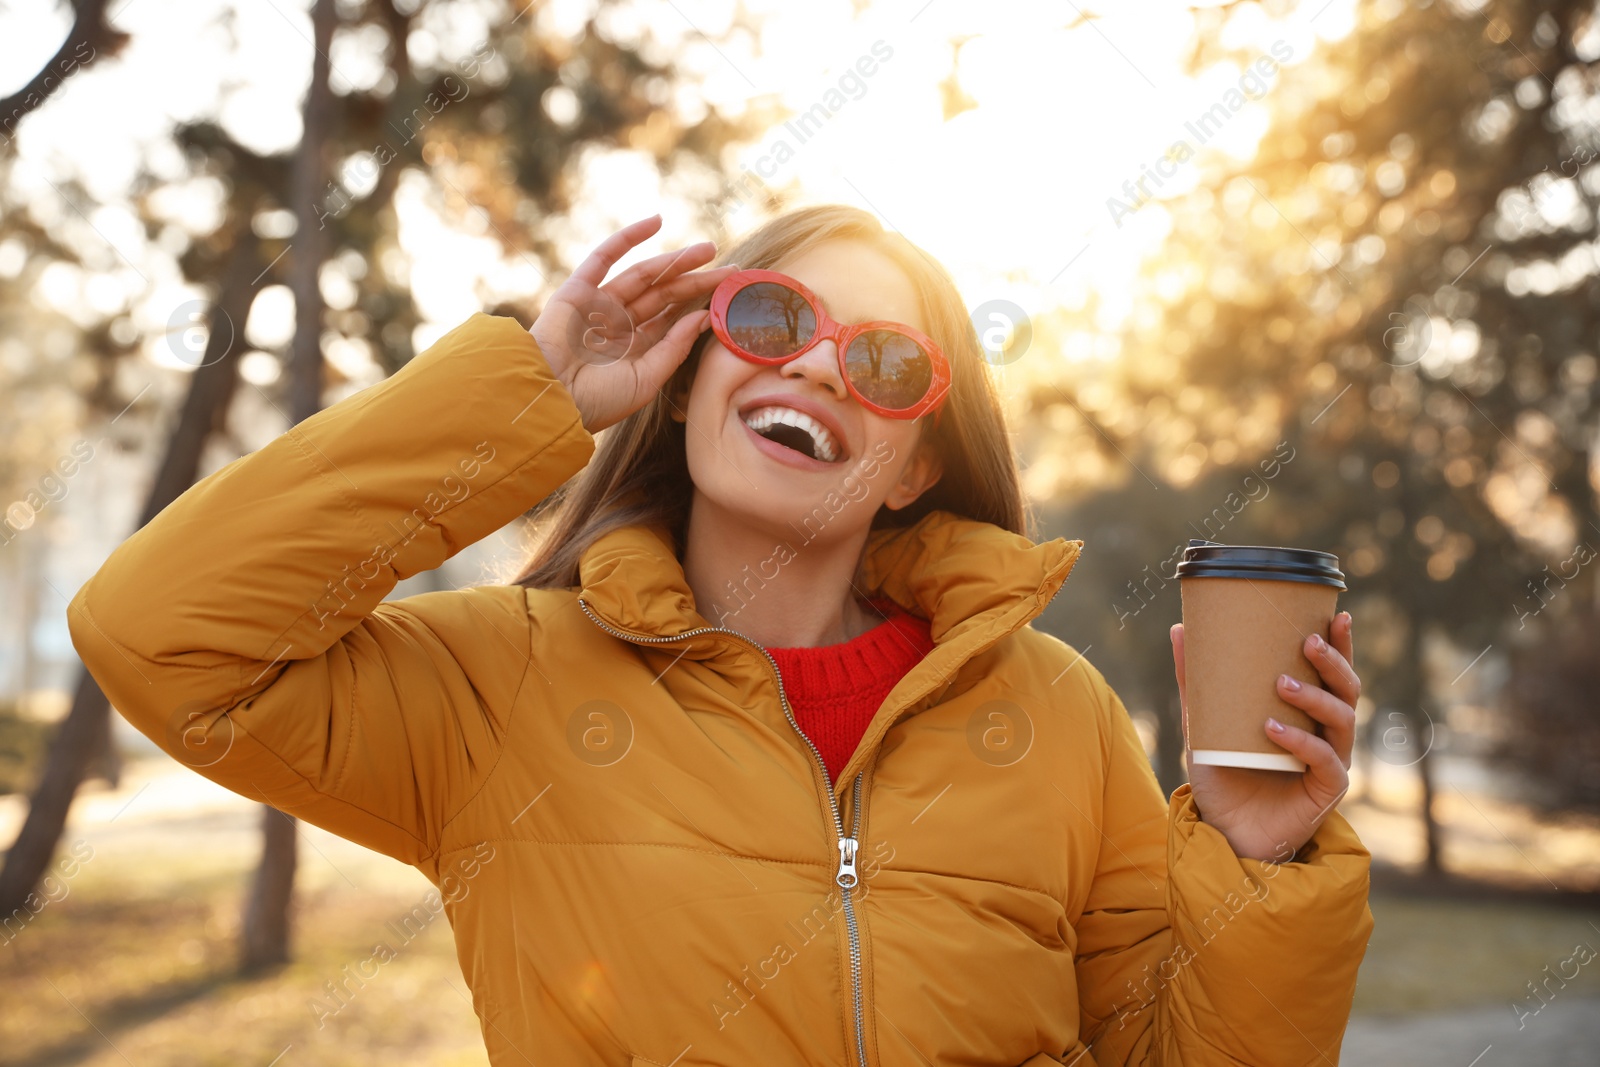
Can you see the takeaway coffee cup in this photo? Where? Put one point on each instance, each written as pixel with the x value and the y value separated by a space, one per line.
pixel 1247 610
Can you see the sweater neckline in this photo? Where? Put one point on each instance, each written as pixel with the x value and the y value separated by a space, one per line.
pixel 887 650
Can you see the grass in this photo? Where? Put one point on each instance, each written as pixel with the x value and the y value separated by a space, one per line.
pixel 102 978
pixel 96 980
pixel 1430 955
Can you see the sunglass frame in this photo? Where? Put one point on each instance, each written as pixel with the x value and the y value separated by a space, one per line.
pixel 840 334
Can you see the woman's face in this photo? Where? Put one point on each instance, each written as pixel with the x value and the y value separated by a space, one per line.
pixel 783 490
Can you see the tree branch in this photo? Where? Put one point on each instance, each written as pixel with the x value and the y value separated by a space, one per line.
pixel 90 38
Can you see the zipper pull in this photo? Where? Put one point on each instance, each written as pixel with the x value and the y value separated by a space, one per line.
pixel 847 862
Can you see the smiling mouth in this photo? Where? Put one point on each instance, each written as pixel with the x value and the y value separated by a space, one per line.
pixel 795 430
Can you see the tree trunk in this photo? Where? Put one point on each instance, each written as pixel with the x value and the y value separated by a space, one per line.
pixel 76 740
pixel 105 759
pixel 1433 862
pixel 267 914
pixel 28 560
pixel 310 238
pixel 265 936
pixel 1414 698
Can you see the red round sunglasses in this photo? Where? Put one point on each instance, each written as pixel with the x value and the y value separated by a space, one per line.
pixel 767 317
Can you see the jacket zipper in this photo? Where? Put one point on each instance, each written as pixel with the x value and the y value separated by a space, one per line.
pixel 845 877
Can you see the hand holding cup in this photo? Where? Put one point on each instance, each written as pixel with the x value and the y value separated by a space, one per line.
pixel 1267 784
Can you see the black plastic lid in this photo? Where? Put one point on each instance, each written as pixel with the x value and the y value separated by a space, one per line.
pixel 1208 559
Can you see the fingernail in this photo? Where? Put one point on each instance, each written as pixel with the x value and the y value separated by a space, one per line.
pixel 1316 642
pixel 1289 683
pixel 1275 726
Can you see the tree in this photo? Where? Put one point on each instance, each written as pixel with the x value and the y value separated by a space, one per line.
pixel 265 931
pixel 90 39
pixel 479 127
pixel 1549 734
pixel 1396 285
pixel 81 733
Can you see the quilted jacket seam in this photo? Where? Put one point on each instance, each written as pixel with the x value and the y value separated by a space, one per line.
pixel 663 844
pixel 84 607
pixel 349 737
pixel 349 505
pixel 500 751
pixel 979 878
pixel 558 438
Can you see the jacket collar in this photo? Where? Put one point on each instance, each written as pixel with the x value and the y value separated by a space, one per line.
pixel 971 580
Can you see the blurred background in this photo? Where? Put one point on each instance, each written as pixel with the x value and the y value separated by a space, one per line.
pixel 1320 274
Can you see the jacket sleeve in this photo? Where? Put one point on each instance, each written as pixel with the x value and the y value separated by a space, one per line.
pixel 1189 955
pixel 243 629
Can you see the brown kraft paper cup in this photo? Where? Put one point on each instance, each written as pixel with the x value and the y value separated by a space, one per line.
pixel 1247 611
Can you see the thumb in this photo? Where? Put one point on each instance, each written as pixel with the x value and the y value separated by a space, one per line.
pixel 667 354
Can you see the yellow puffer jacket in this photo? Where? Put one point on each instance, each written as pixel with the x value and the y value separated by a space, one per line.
pixel 642 859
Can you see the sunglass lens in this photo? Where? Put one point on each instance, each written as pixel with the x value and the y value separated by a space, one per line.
pixel 770 320
pixel 889 368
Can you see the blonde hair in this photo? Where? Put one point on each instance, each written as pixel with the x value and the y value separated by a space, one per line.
pixel 639 473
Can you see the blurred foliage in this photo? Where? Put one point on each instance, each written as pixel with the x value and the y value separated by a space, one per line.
pixel 1398 291
pixel 488 132
pixel 494 133
pixel 1402 287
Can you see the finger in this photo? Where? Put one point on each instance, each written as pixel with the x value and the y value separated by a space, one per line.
pixel 1335 670
pixel 656 270
pixel 649 333
pixel 1325 777
pixel 656 365
pixel 1176 633
pixel 681 290
pixel 1341 638
pixel 593 270
pixel 1338 717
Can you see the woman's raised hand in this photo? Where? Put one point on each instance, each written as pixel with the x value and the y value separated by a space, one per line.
pixel 1268 815
pixel 613 345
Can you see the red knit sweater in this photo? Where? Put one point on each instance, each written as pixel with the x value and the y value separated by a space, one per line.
pixel 835 690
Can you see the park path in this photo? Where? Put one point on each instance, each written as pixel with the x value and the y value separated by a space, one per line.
pixel 1564 1033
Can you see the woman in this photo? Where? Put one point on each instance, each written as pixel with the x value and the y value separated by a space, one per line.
pixel 759 761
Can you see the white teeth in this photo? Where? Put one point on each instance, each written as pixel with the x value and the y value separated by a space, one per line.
pixel 824 444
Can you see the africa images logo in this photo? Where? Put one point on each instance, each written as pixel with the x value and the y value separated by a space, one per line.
pixel 599 733
pixel 199 734
pixel 1000 733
